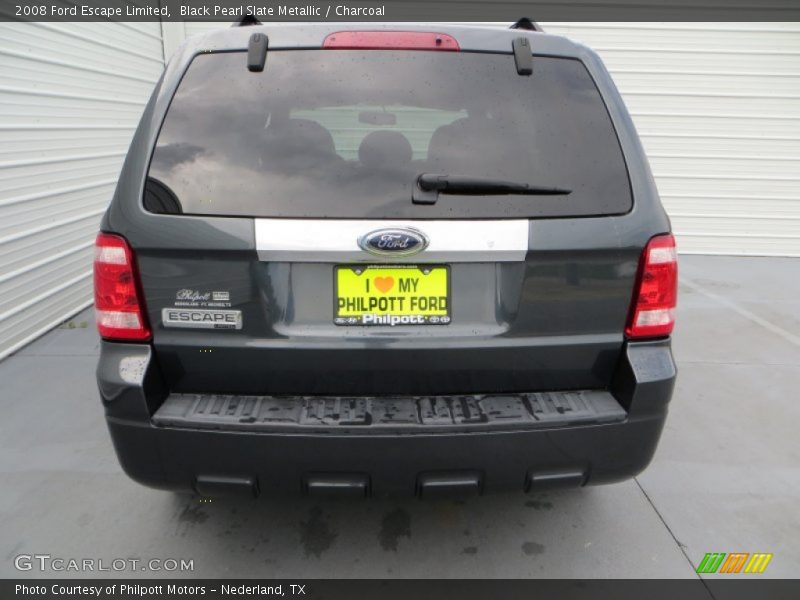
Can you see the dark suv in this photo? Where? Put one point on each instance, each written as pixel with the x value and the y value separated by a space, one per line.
pixel 426 261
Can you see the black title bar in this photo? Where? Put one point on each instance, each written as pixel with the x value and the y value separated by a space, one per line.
pixel 731 588
pixel 400 10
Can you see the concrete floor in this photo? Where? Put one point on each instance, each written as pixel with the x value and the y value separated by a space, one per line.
pixel 726 477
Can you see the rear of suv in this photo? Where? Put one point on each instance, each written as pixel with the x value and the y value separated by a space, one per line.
pixel 426 261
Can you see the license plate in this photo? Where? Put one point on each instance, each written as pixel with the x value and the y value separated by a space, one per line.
pixel 397 295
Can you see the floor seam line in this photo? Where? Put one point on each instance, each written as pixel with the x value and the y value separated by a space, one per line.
pixel 681 547
pixel 734 363
pixel 743 312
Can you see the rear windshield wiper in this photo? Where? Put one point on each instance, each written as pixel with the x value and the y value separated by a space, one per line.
pixel 429 185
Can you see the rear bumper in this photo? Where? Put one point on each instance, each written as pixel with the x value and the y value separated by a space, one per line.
pixel 213 458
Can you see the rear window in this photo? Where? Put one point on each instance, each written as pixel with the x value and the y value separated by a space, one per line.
pixel 346 133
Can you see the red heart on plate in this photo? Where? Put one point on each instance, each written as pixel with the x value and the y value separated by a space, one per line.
pixel 384 284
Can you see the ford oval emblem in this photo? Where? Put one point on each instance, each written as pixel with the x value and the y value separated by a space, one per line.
pixel 395 241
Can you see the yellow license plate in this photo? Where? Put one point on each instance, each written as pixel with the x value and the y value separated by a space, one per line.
pixel 397 295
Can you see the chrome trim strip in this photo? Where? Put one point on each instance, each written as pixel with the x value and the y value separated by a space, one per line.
pixel 336 241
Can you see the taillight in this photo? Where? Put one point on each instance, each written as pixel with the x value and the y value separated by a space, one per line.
pixel 656 293
pixel 117 296
pixel 390 40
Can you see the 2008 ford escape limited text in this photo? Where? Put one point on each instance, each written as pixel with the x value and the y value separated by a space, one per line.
pixel 422 261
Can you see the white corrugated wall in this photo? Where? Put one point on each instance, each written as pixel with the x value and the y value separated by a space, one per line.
pixel 71 95
pixel 718 109
pixel 717 105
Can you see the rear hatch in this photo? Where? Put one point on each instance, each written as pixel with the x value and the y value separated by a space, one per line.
pixel 314 260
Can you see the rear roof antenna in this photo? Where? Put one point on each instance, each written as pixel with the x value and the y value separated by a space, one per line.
pixel 527 24
pixel 246 20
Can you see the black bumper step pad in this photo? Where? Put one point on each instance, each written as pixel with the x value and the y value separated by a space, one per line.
pixel 422 414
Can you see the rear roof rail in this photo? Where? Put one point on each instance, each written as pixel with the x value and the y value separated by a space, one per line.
pixel 257 52
pixel 246 21
pixel 527 24
pixel 522 55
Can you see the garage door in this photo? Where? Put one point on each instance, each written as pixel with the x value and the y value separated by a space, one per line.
pixel 718 109
pixel 70 97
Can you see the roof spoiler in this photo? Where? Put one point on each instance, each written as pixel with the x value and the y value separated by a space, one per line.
pixel 246 21
pixel 527 24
